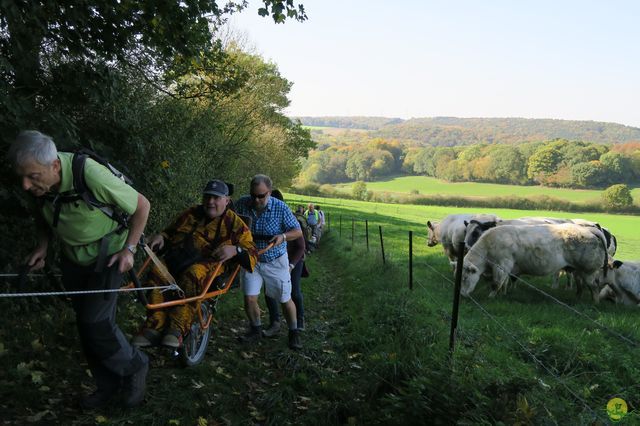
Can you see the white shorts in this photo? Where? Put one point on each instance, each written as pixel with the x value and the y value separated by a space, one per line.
pixel 276 278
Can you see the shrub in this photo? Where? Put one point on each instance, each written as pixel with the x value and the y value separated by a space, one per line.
pixel 359 190
pixel 617 196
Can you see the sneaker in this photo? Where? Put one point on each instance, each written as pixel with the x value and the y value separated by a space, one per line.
pixel 147 337
pixel 294 340
pixel 253 335
pixel 97 399
pixel 172 338
pixel 273 330
pixel 136 384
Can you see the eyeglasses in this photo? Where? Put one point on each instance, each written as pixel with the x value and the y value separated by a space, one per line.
pixel 259 196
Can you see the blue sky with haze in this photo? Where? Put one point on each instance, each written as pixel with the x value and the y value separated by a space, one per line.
pixel 576 60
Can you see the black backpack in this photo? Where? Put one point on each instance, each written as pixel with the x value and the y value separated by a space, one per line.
pixel 81 191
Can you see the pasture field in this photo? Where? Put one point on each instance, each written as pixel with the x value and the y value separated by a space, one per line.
pixel 624 227
pixel 521 357
pixel 428 185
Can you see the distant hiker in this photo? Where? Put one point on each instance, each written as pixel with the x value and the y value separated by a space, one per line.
pixel 96 250
pixel 194 242
pixel 304 226
pixel 271 222
pixel 313 218
pixel 296 252
pixel 321 223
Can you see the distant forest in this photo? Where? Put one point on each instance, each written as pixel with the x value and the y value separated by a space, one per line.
pixel 452 131
pixel 518 158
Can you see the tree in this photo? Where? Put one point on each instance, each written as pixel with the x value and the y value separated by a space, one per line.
pixel 359 190
pixel 617 196
pixel 543 163
pixel 618 166
pixel 589 175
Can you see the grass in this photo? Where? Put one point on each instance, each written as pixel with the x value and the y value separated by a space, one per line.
pixel 404 217
pixel 428 185
pixel 374 352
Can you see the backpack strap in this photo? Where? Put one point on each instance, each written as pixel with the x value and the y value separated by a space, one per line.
pixel 82 190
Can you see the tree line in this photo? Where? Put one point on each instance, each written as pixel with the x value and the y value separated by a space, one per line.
pixel 557 163
pixel 161 89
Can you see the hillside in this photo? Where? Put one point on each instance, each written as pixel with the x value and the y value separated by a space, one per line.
pixel 452 131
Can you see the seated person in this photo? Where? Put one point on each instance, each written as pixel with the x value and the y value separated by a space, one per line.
pixel 200 237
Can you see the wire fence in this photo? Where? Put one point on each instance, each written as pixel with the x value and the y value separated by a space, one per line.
pixel 400 257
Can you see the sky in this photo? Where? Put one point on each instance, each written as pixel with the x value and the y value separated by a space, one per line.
pixel 562 59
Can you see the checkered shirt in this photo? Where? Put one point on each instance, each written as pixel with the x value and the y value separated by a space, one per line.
pixel 276 219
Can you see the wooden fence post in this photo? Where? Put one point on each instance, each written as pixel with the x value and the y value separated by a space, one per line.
pixel 366 229
pixel 410 260
pixel 353 230
pixel 381 244
pixel 456 299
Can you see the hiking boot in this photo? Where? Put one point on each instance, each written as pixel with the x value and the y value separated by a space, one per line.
pixel 136 384
pixel 147 337
pixel 97 399
pixel 172 339
pixel 253 335
pixel 294 340
pixel 273 330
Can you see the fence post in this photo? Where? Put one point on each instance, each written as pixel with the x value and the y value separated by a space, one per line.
pixel 353 230
pixel 456 298
pixel 381 244
pixel 366 230
pixel 410 260
pixel 340 226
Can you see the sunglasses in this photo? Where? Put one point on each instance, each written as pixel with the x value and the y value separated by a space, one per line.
pixel 259 196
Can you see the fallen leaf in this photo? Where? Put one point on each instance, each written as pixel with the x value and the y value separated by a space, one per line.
pixel 36 345
pixel 101 419
pixel 197 385
pixel 36 377
pixel 202 421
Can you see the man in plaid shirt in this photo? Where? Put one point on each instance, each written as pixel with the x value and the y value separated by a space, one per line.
pixel 271 222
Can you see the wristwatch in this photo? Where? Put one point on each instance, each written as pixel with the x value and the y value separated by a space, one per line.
pixel 238 250
pixel 132 248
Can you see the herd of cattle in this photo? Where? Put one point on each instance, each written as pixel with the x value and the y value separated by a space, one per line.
pixel 503 249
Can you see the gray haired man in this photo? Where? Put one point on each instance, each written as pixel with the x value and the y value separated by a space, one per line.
pixel 87 234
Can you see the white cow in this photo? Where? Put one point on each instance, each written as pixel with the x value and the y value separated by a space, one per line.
pixel 622 283
pixel 535 250
pixel 475 228
pixel 450 232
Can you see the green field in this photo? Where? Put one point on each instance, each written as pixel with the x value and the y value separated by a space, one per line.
pixel 497 379
pixel 624 227
pixel 428 185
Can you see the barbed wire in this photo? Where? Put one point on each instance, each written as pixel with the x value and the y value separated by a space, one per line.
pixel 532 355
pixel 563 304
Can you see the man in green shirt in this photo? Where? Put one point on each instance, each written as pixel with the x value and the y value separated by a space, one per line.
pixel 96 250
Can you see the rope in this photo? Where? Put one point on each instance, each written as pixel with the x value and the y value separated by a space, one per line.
pixel 28 275
pixel 534 357
pixel 575 311
pixel 71 293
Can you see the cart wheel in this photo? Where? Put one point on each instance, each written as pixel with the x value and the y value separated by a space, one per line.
pixel 194 345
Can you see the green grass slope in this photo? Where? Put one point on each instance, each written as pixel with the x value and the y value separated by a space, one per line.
pixel 428 185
